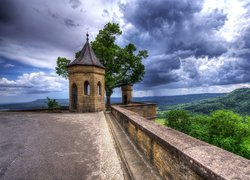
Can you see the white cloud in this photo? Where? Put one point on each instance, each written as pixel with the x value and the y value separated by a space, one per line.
pixel 32 83
pixel 199 90
pixel 40 34
pixel 237 19
pixel 40 56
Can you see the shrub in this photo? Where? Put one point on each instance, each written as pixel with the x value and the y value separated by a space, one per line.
pixel 52 103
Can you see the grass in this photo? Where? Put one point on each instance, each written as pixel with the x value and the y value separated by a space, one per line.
pixel 160 121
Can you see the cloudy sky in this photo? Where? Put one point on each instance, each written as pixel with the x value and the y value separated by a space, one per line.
pixel 195 46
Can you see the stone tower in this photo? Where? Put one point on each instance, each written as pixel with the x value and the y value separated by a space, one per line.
pixel 127 93
pixel 86 82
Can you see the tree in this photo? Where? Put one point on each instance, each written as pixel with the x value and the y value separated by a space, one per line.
pixel 228 130
pixel 199 127
pixel 123 65
pixel 61 68
pixel 179 120
pixel 221 128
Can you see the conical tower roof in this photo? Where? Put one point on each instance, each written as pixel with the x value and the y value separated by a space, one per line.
pixel 87 57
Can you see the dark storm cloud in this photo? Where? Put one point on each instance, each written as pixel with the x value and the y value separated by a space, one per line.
pixel 155 79
pixel 238 71
pixel 7 11
pixel 159 72
pixel 40 27
pixel 235 72
pixel 70 23
pixel 75 3
pixel 177 25
pixel 105 13
pixel 53 15
pixel 149 15
pixel 246 38
pixel 171 28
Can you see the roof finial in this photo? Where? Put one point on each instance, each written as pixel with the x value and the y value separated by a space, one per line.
pixel 87 36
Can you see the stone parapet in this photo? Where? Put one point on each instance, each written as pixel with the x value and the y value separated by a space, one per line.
pixel 147 110
pixel 177 155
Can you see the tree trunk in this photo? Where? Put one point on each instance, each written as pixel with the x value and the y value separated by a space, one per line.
pixel 108 103
pixel 108 100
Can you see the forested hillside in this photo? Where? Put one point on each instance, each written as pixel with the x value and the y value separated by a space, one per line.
pixel 237 101
pixel 222 121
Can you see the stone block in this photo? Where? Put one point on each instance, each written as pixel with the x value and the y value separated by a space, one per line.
pixel 132 131
pixel 144 143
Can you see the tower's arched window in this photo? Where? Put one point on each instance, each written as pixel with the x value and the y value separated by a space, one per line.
pixel 74 96
pixel 86 88
pixel 99 88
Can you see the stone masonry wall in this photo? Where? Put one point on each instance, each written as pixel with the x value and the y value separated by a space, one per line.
pixel 179 156
pixel 147 110
pixel 87 103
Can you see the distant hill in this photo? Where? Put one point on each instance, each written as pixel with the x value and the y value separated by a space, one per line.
pixel 163 102
pixel 237 101
pixel 37 104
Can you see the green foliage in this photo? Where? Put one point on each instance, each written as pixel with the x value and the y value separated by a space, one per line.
pixel 245 148
pixel 61 68
pixel 77 54
pixel 237 101
pixel 222 128
pixel 52 103
pixel 123 65
pixel 226 123
pixel 199 127
pixel 160 121
pixel 179 120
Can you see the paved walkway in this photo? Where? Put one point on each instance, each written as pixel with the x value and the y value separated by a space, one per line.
pixel 57 146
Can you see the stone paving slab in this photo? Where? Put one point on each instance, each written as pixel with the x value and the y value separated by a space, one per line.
pixel 56 146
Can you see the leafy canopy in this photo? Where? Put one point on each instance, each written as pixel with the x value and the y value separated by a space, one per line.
pixel 222 128
pixel 61 68
pixel 123 65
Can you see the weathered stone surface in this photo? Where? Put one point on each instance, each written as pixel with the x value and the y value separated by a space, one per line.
pixel 132 131
pixel 57 146
pixel 144 143
pixel 179 156
pixel 147 110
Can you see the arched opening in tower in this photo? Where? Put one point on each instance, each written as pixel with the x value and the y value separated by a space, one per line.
pixel 99 88
pixel 74 96
pixel 86 88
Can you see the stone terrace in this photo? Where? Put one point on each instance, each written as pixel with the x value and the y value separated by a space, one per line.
pixel 124 145
pixel 57 146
